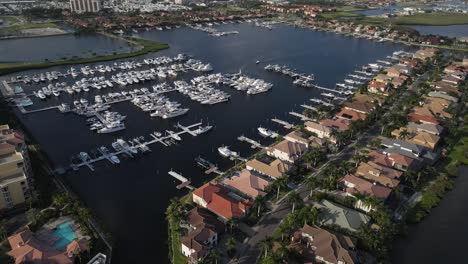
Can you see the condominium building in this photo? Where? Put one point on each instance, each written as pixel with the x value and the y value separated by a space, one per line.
pixel 15 169
pixel 84 6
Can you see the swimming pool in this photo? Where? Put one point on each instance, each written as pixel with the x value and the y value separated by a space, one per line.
pixel 65 235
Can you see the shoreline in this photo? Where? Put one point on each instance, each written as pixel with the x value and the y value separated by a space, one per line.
pixel 147 46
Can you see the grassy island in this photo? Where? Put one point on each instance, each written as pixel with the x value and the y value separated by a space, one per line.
pixel 145 46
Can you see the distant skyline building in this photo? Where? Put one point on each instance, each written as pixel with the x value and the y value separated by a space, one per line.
pixel 84 6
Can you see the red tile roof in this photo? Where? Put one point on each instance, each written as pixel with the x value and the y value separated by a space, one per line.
pixel 421 118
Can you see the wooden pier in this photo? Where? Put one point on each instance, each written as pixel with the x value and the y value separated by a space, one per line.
pixel 301 116
pixel 310 107
pixel 185 183
pixel 324 88
pixel 255 144
pixel 283 123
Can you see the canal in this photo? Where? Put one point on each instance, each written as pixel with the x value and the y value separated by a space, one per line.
pixel 131 198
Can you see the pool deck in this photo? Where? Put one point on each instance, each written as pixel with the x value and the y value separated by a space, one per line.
pixel 46 232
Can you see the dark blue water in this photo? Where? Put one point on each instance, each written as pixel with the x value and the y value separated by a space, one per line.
pixel 453 31
pixel 58 47
pixel 131 198
pixel 442 237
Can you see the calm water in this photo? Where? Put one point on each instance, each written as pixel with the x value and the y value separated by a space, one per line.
pixel 442 237
pixel 453 31
pixel 131 198
pixel 58 47
pixel 378 11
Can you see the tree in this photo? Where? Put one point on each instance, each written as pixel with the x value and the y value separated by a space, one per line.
pixel 403 134
pixel 312 184
pixel 212 257
pixel 314 156
pixel 230 245
pixel 294 199
pixel 61 200
pixel 259 202
pixel 174 210
pixel 232 222
pixel 3 230
pixel 358 158
pixel 283 250
pixel 84 214
pixel 313 216
pixel 267 244
pixel 32 215
pixel 279 184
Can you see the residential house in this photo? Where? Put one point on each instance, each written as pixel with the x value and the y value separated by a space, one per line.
pixel 203 230
pixel 219 200
pixel 413 117
pixel 27 248
pixel 353 185
pixel 392 160
pixel 274 169
pixel 434 129
pixel 377 87
pixel 287 151
pixel 340 124
pixel 327 246
pixel 427 53
pixel 441 94
pixel 318 129
pixel 351 115
pixel 410 149
pixel 298 137
pixel 247 183
pixel 380 174
pixel 344 217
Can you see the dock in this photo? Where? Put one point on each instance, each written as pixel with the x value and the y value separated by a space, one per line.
pixel 301 116
pixel 185 183
pixel 310 107
pixel 283 123
pixel 255 144
pixel 6 89
pixel 324 88
pixel 130 151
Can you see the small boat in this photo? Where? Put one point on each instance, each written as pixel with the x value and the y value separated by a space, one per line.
pixel 115 159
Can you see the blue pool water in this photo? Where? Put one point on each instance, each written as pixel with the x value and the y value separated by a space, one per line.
pixel 65 235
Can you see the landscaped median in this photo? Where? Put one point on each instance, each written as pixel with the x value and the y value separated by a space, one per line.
pixel 147 46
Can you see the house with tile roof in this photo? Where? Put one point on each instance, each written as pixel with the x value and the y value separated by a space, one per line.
pixel 430 128
pixel 202 235
pixel 327 246
pixel 287 151
pixel 221 201
pixel 247 183
pixel 351 115
pixel 392 160
pixel 320 130
pixel 413 117
pixel 298 137
pixel 274 169
pixel 353 185
pixel 380 174
pixel 340 124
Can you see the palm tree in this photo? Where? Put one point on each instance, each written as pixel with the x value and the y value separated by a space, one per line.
pixel 32 215
pixel 232 222
pixel 3 230
pixel 259 202
pixel 312 184
pixel 313 216
pixel 359 158
pixel 403 134
pixel 213 256
pixel 279 184
pixel 230 245
pixel 266 243
pixel 174 210
pixel 293 199
pixel 283 250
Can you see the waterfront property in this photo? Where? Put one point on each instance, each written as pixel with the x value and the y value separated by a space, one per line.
pixel 56 242
pixel 343 217
pixel 15 169
pixel 247 183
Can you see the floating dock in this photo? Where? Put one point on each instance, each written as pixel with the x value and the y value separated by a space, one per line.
pixel 128 151
pixel 185 183
pixel 255 144
pixel 301 116
pixel 310 107
pixel 283 123
pixel 324 88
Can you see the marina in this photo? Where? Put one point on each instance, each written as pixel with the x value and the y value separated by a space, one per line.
pixel 141 185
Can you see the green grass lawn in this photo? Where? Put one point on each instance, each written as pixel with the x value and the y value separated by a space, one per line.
pixel 12 29
pixel 435 19
pixel 148 46
pixel 10 19
pixel 336 15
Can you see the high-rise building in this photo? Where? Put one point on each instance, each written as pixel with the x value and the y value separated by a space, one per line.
pixel 15 169
pixel 83 6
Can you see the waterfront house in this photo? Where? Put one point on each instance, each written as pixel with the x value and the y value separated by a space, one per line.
pixel 440 94
pixel 425 139
pixel 392 160
pixel 434 107
pixel 353 185
pixel 351 115
pixel 426 53
pixel 377 87
pixel 247 183
pixel 274 169
pixel 203 229
pixel 380 174
pixel 343 217
pixel 299 137
pixel 221 201
pixel 320 130
pixel 287 151
pixel 410 149
pixel 393 72
pixel 340 124
pixel 327 246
